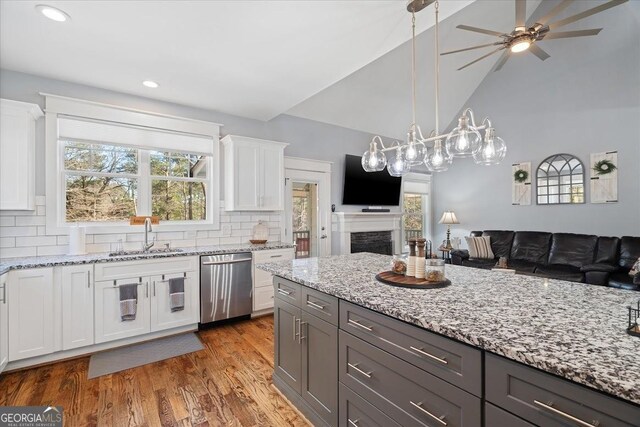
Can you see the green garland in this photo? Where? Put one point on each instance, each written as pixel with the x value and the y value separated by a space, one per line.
pixel 521 176
pixel 604 167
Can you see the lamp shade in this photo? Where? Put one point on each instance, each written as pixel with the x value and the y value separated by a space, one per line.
pixel 448 217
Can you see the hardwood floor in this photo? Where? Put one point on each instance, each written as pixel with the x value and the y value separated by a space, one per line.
pixel 226 384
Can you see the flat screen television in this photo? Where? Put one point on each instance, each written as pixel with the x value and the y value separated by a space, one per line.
pixel 369 188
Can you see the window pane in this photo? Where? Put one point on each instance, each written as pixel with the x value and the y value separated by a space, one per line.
pixel 105 158
pixel 91 198
pixel 413 215
pixel 182 165
pixel 178 200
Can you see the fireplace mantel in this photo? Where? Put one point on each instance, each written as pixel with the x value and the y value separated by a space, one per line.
pixel 345 223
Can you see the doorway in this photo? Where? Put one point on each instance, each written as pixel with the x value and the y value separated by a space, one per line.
pixel 307 211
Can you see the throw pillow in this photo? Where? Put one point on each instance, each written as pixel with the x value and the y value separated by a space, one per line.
pixel 635 269
pixel 480 247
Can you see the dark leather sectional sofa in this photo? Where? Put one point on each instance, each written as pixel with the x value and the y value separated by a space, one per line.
pixel 565 256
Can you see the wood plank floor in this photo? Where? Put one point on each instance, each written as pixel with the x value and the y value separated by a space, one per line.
pixel 226 384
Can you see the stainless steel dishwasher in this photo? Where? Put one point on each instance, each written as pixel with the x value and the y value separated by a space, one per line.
pixel 225 286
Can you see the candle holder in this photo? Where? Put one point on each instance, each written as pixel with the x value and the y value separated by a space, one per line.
pixel 634 320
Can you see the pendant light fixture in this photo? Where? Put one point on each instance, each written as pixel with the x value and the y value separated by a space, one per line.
pixel 463 141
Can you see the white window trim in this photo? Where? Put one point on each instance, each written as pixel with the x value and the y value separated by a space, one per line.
pixel 55 194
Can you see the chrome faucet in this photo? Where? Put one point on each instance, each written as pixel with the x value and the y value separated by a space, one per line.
pixel 147 229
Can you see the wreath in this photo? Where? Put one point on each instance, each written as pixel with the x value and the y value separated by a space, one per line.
pixel 521 175
pixel 604 167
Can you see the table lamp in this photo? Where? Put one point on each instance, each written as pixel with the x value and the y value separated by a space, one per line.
pixel 448 217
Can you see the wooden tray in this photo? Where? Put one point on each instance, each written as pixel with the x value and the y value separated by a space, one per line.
pixel 391 278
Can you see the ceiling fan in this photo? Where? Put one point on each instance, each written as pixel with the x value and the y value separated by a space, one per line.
pixel 524 36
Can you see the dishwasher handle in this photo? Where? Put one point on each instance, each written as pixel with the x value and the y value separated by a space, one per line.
pixel 231 261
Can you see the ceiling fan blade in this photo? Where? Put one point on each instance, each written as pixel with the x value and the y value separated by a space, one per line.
pixel 553 12
pixel 482 57
pixel 586 13
pixel 535 49
pixel 480 30
pixel 567 34
pixel 521 12
pixel 503 58
pixel 471 48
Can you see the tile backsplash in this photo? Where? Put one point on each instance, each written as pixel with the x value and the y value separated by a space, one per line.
pixel 23 233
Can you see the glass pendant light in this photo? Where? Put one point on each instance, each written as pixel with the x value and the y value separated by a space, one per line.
pixel 492 150
pixel 464 140
pixel 438 160
pixel 373 160
pixel 398 165
pixel 415 149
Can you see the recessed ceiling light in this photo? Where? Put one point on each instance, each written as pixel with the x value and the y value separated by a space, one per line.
pixel 52 13
pixel 150 83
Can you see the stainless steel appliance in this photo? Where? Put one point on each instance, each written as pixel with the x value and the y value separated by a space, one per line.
pixel 225 286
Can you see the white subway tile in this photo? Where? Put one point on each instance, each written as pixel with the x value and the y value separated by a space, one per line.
pixel 170 235
pixel 16 213
pixel 40 210
pixel 127 246
pixel 7 242
pixel 7 221
pixel 184 243
pixel 209 241
pixel 231 240
pixel 259 218
pixel 52 250
pixel 64 240
pixel 41 200
pixel 225 218
pixel 247 225
pixel 36 241
pixel 236 225
pixel 202 234
pixel 93 248
pixel 17 252
pixel 137 237
pixel 30 220
pixel 215 233
pixel 240 218
pixel 18 231
pixel 42 230
pixel 108 238
pixel 277 217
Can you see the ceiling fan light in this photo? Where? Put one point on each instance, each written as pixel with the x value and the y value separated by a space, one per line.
pixel 521 45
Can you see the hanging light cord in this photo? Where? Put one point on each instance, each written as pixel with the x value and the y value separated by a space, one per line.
pixel 413 67
pixel 437 71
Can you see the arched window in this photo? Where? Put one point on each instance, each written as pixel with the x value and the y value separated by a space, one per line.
pixel 560 180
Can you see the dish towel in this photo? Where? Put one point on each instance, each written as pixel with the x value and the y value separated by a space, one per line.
pixel 128 302
pixel 176 294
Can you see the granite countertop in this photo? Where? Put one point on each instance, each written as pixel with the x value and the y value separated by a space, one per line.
pixel 50 261
pixel 573 330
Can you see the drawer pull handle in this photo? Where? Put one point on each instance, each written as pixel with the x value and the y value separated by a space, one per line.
pixel 441 419
pixel 355 367
pixel 276 256
pixel 314 305
pixel 424 353
pixel 283 292
pixel 549 407
pixel 353 423
pixel 360 325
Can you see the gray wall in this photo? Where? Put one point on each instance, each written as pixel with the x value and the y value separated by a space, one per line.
pixel 584 99
pixel 308 138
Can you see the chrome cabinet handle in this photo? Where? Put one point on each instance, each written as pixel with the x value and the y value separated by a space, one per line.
pixel 232 261
pixel 353 423
pixel 88 279
pixel 355 367
pixel 283 292
pixel 294 328
pixel 154 288
pixel 300 336
pixel 146 289
pixel 549 407
pixel 360 325
pixel 441 419
pixel 424 353
pixel 275 256
pixel 314 305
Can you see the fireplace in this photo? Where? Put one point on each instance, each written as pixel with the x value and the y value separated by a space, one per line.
pixel 366 232
pixel 377 242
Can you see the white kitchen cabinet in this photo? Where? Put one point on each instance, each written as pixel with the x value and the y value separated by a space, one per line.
pixel 77 306
pixel 31 300
pixel 4 323
pixel 161 315
pixel 108 324
pixel 17 154
pixel 254 174
pixel 263 280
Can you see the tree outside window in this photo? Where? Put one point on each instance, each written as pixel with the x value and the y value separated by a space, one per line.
pixel 413 219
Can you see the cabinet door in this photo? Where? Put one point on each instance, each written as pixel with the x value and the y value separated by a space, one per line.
pixel 320 366
pixel 246 170
pixel 77 306
pixel 263 298
pixel 287 351
pixel 109 324
pixel 161 315
pixel 30 297
pixel 272 178
pixel 4 323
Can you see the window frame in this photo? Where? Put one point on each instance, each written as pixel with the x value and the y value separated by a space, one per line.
pixel 567 158
pixel 55 171
pixel 427 216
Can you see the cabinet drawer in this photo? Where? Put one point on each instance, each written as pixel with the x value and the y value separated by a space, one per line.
pixel 546 400
pixel 287 290
pixel 320 304
pixel 407 394
pixel 263 299
pixel 457 363
pixel 151 267
pixel 354 411
pixel 272 255
pixel 496 417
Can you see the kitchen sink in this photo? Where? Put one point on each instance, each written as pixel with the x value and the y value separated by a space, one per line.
pixel 149 252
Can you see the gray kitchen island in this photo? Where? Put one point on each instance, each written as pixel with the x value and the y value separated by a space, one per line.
pixel 492 349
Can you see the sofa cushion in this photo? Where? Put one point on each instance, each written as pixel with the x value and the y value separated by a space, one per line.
pixel 479 263
pixel 530 246
pixel 629 251
pixel 575 250
pixel 607 250
pixel 522 266
pixel 623 280
pixel 476 233
pixel 561 272
pixel 480 247
pixel 501 242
